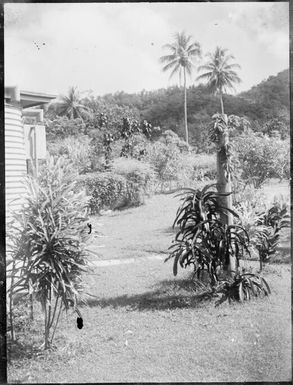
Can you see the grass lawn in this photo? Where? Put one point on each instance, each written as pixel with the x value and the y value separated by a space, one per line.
pixel 142 324
pixel 137 232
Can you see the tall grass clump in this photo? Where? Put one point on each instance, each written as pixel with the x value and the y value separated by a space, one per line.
pixel 47 244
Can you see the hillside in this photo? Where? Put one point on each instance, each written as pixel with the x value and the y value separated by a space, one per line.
pixel 164 107
pixel 265 105
pixel 271 93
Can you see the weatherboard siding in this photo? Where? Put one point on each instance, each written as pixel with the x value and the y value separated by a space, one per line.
pixel 15 159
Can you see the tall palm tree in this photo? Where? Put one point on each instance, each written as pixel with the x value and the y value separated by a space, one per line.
pixel 180 59
pixel 71 104
pixel 220 76
pixel 220 72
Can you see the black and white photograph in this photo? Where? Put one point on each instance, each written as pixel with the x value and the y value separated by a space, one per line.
pixel 147 192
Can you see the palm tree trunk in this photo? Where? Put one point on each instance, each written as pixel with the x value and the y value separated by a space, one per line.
pixel 224 180
pixel 222 104
pixel 185 107
pixel 224 186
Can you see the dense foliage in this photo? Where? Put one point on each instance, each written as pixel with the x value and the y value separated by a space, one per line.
pixel 267 101
pixel 268 230
pixel 202 238
pixel 125 185
pixel 78 150
pixel 259 158
pixel 47 242
pixel 242 287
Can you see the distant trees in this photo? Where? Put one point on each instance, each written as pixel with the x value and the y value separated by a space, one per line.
pixel 220 73
pixel 180 59
pixel 266 106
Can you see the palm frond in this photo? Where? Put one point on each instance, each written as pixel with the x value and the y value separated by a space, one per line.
pixel 170 65
pixel 183 50
pixel 218 72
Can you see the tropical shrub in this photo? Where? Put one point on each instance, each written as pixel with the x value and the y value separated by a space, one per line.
pixel 61 127
pixel 191 168
pixel 140 176
pixel 139 145
pixel 47 243
pixel 78 151
pixel 268 227
pixel 107 113
pixel 249 203
pixel 165 160
pixel 279 124
pixel 242 287
pixel 202 239
pixel 260 158
pixel 117 189
pixel 169 137
pixel 105 189
pixel 204 166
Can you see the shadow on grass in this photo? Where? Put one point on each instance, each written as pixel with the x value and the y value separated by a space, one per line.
pixel 17 350
pixel 168 294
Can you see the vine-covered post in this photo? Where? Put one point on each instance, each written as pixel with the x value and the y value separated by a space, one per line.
pixel 220 135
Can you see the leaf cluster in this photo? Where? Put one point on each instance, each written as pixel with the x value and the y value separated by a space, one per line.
pixel 269 225
pixel 242 287
pixel 202 238
pixel 48 237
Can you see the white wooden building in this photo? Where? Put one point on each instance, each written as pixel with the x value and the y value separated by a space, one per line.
pixel 25 140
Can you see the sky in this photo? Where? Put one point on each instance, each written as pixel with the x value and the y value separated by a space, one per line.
pixel 110 47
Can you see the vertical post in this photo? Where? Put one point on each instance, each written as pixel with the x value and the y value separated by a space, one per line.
pixel 185 107
pixel 224 186
pixel 36 151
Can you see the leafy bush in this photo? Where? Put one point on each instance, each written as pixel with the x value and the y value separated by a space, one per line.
pixel 260 158
pixel 279 124
pixel 249 202
pixel 125 186
pixel 204 166
pixel 106 190
pixel 192 168
pixel 242 287
pixel 48 243
pixel 140 176
pixel 267 235
pixel 165 160
pixel 173 163
pixel 139 144
pixel 262 219
pixel 78 150
pixel 202 239
pixel 61 127
pixel 170 138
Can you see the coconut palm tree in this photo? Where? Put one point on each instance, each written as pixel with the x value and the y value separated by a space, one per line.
pixel 220 73
pixel 71 104
pixel 180 59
